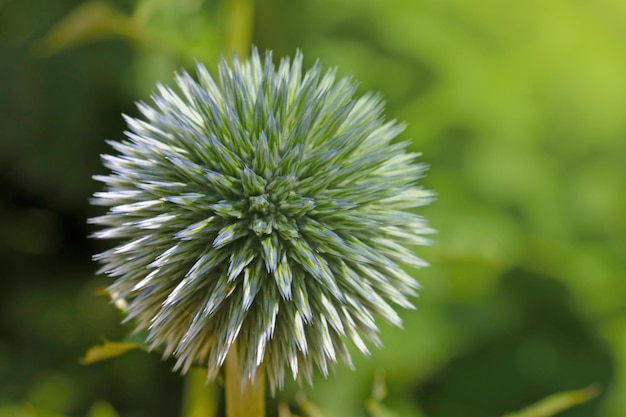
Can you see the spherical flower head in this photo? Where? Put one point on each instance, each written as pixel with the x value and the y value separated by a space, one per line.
pixel 271 208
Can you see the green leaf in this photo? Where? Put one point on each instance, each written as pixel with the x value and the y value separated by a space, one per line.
pixel 556 403
pixel 93 20
pixel 107 350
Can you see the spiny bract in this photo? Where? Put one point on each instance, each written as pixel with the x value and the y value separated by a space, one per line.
pixel 267 208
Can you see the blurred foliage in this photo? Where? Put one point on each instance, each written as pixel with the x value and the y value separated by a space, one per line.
pixel 519 108
pixel 557 403
pixel 100 409
pixel 107 350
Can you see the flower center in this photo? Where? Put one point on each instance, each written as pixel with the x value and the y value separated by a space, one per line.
pixel 261 211
pixel 261 204
pixel 275 205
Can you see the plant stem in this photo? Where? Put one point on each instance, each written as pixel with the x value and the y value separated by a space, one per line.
pixel 243 400
pixel 238 21
pixel 199 398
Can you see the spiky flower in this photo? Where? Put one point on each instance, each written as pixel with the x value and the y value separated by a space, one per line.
pixel 268 208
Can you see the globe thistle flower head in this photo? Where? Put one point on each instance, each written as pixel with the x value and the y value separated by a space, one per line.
pixel 270 207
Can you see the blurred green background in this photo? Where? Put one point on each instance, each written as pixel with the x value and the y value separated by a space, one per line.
pixel 518 107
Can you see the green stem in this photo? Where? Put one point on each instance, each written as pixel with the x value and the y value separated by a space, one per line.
pixel 244 398
pixel 241 400
pixel 238 23
pixel 199 398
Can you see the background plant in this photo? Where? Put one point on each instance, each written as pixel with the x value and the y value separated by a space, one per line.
pixel 521 109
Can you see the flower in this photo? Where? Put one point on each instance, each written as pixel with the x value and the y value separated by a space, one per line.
pixel 268 208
